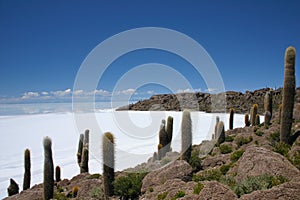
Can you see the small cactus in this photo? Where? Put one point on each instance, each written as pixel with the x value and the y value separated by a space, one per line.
pixel 216 126
pixel 75 191
pixel 288 95
pixel 80 147
pixel 108 151
pixel 27 173
pixel 48 170
pixel 186 136
pixel 247 121
pixel 84 166
pixel 257 120
pixel 231 115
pixel 57 174
pixel 268 102
pixel 220 133
pixel 253 114
pixel 13 188
pixel 267 120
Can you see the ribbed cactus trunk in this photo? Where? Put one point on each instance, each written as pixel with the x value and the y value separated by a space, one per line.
pixel 57 174
pixel 186 136
pixel 27 173
pixel 288 95
pixel 216 127
pixel 108 151
pixel 163 138
pixel 246 120
pixel 169 131
pixel 159 151
pixel 48 170
pixel 268 102
pixel 267 120
pixel 253 114
pixel 84 166
pixel 220 133
pixel 257 120
pixel 80 147
pixel 231 115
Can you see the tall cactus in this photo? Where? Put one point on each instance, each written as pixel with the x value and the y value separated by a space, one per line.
pixel 253 114
pixel 80 147
pixel 268 102
pixel 84 166
pixel 231 115
pixel 267 120
pixel 216 127
pixel 48 170
pixel 288 95
pixel 169 131
pixel 27 173
pixel 57 174
pixel 108 151
pixel 246 120
pixel 163 138
pixel 220 133
pixel 186 136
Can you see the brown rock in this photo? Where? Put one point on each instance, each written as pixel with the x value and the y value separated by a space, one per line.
pixel 214 161
pixel 176 170
pixel 286 191
pixel 258 160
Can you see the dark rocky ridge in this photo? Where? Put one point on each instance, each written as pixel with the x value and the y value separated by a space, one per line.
pixel 241 102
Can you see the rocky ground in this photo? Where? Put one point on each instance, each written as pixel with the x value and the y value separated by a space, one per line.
pixel 251 164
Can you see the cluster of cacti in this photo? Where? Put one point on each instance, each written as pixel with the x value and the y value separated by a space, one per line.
pixel 165 137
pixel 13 188
pixel 246 120
pixel 267 120
pixel 288 95
pixel 84 165
pixel 253 114
pixel 220 134
pixel 57 174
pixel 48 170
pixel 231 114
pixel 108 151
pixel 268 102
pixel 186 136
pixel 27 173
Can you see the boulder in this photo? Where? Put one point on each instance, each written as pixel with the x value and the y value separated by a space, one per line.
pixel 217 160
pixel 258 160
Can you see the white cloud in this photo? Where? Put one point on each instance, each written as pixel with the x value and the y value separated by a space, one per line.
pixel 44 93
pixel 78 92
pixel 126 92
pixel 150 92
pixel 61 93
pixel 188 90
pixel 102 92
pixel 28 95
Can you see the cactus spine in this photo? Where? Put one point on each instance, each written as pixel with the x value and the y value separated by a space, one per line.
pixel 231 118
pixel 288 95
pixel 27 166
pixel 220 133
pixel 48 170
pixel 267 120
pixel 84 166
pixel 253 114
pixel 268 102
pixel 186 136
pixel 13 188
pixel 108 151
pixel 57 174
pixel 247 121
pixel 80 147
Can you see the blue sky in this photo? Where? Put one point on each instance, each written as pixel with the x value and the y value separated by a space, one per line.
pixel 43 43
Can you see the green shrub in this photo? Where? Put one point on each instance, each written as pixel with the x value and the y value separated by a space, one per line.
pixel 224 168
pixel 165 161
pixel 129 186
pixel 97 192
pixel 228 180
pixel 195 161
pixel 151 189
pixel 229 138
pixel 256 142
pixel 224 148
pixel 240 141
pixel 60 196
pixel 179 194
pixel 275 137
pixel 259 133
pixel 261 182
pixel 198 188
pixel 208 175
pixel 236 155
pixel 295 159
pixel 94 176
pixel 162 196
pixel 282 148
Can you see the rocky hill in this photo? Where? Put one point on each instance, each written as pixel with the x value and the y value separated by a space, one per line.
pixel 250 164
pixel 207 102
